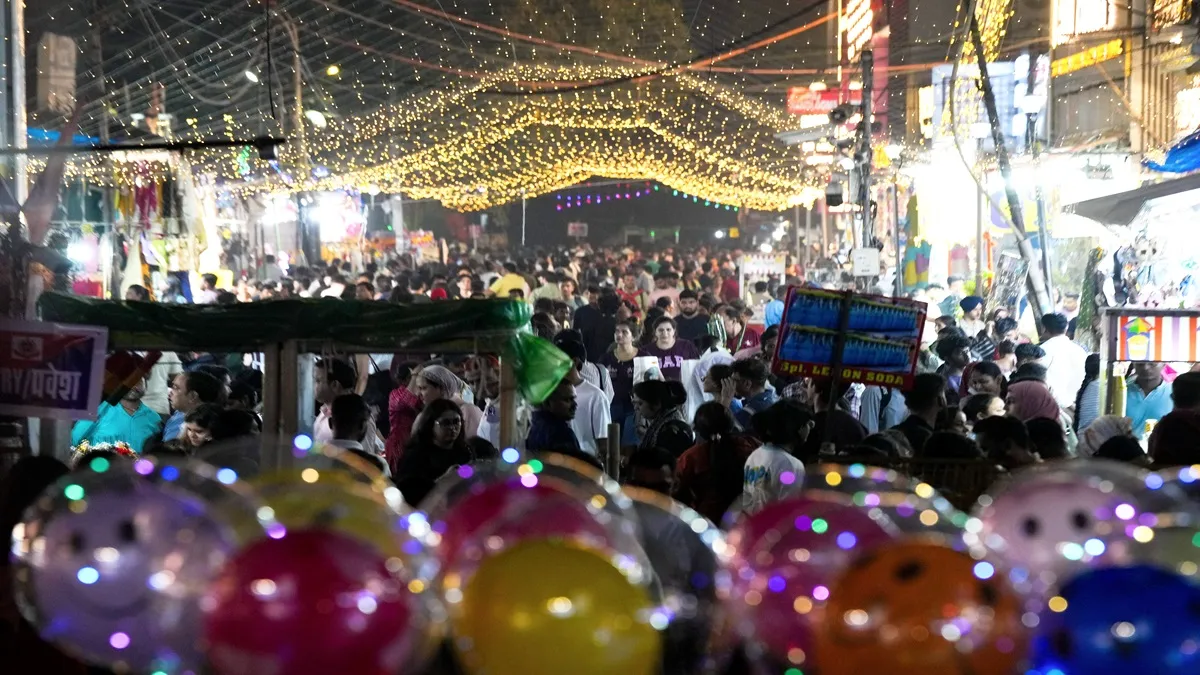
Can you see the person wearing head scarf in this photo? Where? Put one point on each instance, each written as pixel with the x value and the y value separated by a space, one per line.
pixel 1101 430
pixel 972 321
pixel 1031 399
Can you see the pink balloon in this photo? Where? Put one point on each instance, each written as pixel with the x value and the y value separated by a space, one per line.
pixel 311 603
pixel 787 557
pixel 515 512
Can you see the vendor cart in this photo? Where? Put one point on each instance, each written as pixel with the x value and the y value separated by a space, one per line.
pixel 289 332
pixel 1133 334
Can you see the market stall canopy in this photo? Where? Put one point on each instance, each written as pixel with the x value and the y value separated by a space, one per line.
pixel 490 326
pixel 1123 208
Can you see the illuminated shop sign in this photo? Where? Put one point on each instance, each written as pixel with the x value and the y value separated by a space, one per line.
pixel 1088 57
pixel 1080 17
pixel 858 24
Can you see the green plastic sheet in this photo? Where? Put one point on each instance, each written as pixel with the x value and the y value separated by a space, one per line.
pixel 493 326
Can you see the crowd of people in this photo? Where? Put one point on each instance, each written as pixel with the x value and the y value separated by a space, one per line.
pixel 668 347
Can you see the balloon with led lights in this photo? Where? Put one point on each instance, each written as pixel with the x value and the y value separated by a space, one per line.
pixel 314 602
pixel 1119 621
pixel 786 559
pixel 914 507
pixel 546 607
pixel 111 561
pixel 1056 519
pixel 485 507
pixel 335 491
pixel 920 608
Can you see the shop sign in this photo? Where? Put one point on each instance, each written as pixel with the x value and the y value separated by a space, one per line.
pixel 1088 57
pixel 1171 12
pixel 51 370
pixel 858 24
pixel 577 229
pixel 879 345
pixel 1157 338
pixel 1071 18
pixel 805 101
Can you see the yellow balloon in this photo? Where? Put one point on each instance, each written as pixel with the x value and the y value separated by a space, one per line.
pixel 549 608
pixel 335 501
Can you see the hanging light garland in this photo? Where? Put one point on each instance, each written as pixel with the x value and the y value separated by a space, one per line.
pixel 587 196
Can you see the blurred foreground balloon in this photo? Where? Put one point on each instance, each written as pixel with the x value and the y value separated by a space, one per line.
pixel 492 506
pixel 550 608
pixel 786 559
pixel 314 602
pixel 1057 519
pixel 912 506
pixel 916 608
pixel 688 555
pixel 1120 621
pixel 111 562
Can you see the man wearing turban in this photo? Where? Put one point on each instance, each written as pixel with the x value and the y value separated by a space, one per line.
pixel 972 321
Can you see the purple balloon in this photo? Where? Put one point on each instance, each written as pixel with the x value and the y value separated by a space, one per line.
pixel 786 559
pixel 111 567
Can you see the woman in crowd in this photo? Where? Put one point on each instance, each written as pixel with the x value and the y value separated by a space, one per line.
pixel 619 362
pixel 660 405
pixel 438 442
pixel 200 424
pixel 710 472
pixel 426 385
pixel 987 378
pixel 670 351
pixel 982 406
pixel 1031 399
pixel 1087 401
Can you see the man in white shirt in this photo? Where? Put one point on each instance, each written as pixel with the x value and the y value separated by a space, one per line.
pixel 1065 361
pixel 592 415
pixel 333 378
pixel 349 419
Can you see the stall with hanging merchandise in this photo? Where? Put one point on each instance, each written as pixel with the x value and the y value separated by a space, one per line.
pixel 1131 335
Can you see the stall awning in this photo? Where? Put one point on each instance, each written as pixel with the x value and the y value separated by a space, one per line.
pixel 1123 208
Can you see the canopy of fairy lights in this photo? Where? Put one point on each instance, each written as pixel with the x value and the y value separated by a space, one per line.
pixel 474 103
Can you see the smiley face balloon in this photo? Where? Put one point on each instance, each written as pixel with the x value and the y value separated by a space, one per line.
pixel 1054 520
pixel 918 608
pixel 112 559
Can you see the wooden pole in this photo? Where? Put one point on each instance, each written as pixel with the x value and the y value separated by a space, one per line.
pixel 508 405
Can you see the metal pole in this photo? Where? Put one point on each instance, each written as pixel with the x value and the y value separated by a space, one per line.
pixel 808 228
pixel 1036 281
pixel 864 148
pixel 522 221
pixel 979 205
pixel 899 281
pixel 799 241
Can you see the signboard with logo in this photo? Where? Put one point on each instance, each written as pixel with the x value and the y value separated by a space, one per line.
pixel 879 346
pixel 577 230
pixel 51 370
pixel 806 101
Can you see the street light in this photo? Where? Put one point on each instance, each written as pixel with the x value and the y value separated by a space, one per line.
pixel 251 75
pixel 316 117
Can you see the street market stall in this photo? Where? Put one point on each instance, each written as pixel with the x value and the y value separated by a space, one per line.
pixel 1137 334
pixel 289 331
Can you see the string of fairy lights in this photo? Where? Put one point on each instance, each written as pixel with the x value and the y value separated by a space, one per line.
pixel 407 95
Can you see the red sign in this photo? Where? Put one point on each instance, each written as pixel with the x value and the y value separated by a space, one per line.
pixel 805 101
